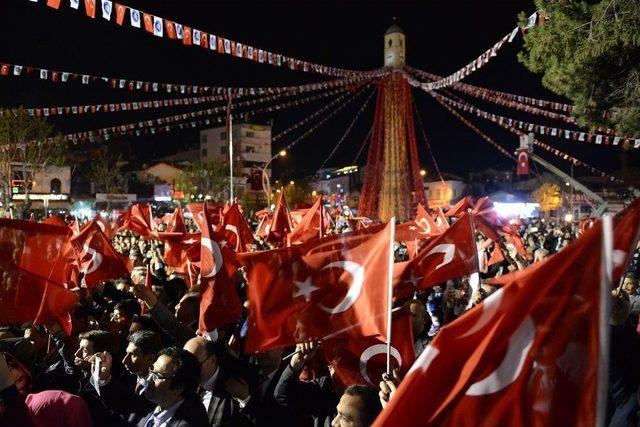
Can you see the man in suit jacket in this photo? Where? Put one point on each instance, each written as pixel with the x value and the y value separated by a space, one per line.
pixel 171 386
pixel 222 408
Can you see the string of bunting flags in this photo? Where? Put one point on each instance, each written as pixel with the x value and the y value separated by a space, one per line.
pixel 157 26
pixel 548 130
pixel 56 76
pixel 113 107
pixel 476 130
pixel 208 112
pixel 536 142
pixel 519 98
pixel 492 96
pixel 362 146
pixel 346 132
pixel 480 61
pixel 426 141
pixel 324 120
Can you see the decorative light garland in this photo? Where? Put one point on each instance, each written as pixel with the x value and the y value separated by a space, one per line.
pixel 426 140
pixel 362 146
pixel 158 26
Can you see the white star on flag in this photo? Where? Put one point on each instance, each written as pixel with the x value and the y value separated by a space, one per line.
pixel 304 288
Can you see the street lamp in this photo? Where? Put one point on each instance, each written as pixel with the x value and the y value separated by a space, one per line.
pixel 291 183
pixel 423 172
pixel 266 184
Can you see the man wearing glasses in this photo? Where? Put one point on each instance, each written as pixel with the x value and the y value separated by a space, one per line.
pixel 172 385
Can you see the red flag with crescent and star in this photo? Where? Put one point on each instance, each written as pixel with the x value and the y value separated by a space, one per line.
pixel 524 349
pixel 213 212
pixel 310 226
pixel 32 267
pixel 281 223
pixel 335 286
pixel 96 259
pixel 236 230
pixel 451 255
pixel 523 162
pixel 363 360
pixel 219 301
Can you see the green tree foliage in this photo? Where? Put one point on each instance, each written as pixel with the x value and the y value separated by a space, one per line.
pixel 589 52
pixel 206 178
pixel 30 143
pixel 297 193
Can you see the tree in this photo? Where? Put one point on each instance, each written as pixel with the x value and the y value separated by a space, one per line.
pixel 204 178
pixel 589 52
pixel 105 174
pixel 297 193
pixel 26 142
pixel 548 196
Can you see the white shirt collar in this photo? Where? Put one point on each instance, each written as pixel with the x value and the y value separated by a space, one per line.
pixel 162 416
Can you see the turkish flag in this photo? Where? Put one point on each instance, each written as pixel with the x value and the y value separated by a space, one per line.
pixel 586 223
pixel 363 360
pixel 90 8
pixel 325 287
pixel 105 227
pixel 219 301
pixel 178 248
pixel 148 22
pixel 524 349
pixel 441 220
pixel 236 230
pixel 175 223
pixel 461 207
pixel 264 226
pixel 120 9
pixel 523 162
pixel 140 220
pixel 311 225
pixel 91 250
pixel 213 212
pixel 33 272
pixel 55 220
pixel 281 224
pixel 428 226
pixel 448 256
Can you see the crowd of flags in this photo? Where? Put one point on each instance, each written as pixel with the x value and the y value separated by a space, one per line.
pixel 532 342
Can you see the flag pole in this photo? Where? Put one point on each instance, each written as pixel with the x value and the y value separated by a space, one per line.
pixel 230 127
pixel 390 291
pixel 606 275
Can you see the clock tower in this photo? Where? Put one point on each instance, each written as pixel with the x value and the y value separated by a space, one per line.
pixel 394 47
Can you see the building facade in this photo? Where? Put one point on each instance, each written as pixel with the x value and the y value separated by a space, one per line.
pixel 50 188
pixel 251 152
pixel 441 194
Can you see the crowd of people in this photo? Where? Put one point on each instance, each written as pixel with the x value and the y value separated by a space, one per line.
pixel 133 356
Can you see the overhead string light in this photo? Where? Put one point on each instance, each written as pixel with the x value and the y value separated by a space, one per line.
pixel 362 146
pixel 164 28
pixel 426 141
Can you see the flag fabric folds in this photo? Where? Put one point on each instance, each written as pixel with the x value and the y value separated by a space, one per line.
pixel 326 287
pixel 515 358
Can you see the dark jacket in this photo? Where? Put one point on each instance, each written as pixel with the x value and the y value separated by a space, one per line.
pixel 190 413
pixel 169 324
pixel 265 410
pixel 313 402
pixel 223 410
pixel 623 383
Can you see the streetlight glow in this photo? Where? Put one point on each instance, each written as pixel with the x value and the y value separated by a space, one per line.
pixel 291 182
pixel 283 153
pixel 423 172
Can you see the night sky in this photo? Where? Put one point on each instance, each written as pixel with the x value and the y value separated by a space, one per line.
pixel 441 38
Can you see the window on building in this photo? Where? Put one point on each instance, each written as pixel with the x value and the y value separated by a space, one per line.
pixel 400 43
pixel 223 135
pixel 250 134
pixel 249 149
pixel 390 42
pixel 203 139
pixel 223 149
pixel 56 186
pixel 204 152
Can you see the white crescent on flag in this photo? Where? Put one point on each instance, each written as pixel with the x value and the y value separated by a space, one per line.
pixel 372 351
pixel 448 249
pixel 357 273
pixel 216 255
pixel 511 366
pixel 96 259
